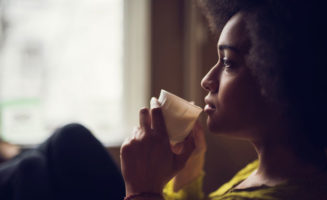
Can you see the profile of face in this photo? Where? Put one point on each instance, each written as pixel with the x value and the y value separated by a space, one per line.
pixel 234 103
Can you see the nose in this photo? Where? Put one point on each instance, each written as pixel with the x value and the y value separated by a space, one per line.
pixel 210 81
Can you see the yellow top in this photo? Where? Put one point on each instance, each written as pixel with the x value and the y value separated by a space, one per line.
pixel 314 187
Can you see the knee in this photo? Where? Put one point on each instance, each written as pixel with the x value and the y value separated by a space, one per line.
pixel 32 170
pixel 73 130
pixel 31 162
pixel 72 133
pixel 71 138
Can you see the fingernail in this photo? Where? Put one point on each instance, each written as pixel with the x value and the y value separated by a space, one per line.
pixel 154 102
pixel 143 110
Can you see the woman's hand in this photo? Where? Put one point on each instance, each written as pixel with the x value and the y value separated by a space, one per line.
pixel 147 161
pixel 195 163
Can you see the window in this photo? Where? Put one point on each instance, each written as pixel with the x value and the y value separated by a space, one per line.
pixel 65 61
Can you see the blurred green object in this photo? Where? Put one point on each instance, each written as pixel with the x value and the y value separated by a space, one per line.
pixel 19 119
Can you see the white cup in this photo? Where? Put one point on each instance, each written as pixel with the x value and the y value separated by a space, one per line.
pixel 179 114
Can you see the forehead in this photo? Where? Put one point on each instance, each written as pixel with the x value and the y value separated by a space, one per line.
pixel 235 33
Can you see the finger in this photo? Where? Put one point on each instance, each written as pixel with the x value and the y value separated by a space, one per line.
pixel 197 134
pixel 158 121
pixel 138 133
pixel 145 120
pixel 177 148
pixel 125 143
pixel 187 151
pixel 200 141
pixel 154 103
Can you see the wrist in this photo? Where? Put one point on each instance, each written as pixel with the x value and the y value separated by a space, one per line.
pixel 182 180
pixel 192 169
pixel 188 174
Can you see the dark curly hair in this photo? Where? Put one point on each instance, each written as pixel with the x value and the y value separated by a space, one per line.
pixel 287 56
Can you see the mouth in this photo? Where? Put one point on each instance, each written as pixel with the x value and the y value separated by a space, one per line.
pixel 209 107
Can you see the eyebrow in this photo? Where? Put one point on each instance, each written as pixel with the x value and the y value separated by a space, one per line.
pixel 224 46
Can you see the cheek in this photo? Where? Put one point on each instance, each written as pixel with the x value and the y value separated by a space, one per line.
pixel 238 104
pixel 231 104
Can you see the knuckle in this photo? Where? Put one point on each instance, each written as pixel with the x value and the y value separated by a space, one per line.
pixel 127 147
pixel 143 110
pixel 123 150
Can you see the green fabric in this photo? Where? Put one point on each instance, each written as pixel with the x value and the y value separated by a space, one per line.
pixel 314 187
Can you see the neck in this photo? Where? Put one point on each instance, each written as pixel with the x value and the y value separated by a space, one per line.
pixel 278 160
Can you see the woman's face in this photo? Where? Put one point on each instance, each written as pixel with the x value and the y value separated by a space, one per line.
pixel 234 103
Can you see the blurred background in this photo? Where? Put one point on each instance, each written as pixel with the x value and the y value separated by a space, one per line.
pixel 97 62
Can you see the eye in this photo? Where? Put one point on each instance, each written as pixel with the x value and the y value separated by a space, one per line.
pixel 227 63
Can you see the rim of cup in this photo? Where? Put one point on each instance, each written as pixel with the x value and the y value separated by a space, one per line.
pixel 181 99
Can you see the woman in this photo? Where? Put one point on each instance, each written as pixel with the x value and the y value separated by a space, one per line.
pixel 268 88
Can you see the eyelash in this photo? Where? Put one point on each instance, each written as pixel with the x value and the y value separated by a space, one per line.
pixel 227 63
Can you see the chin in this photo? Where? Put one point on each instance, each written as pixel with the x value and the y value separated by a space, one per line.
pixel 213 126
pixel 230 130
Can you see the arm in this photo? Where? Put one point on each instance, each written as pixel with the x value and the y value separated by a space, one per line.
pixel 194 165
pixel 187 184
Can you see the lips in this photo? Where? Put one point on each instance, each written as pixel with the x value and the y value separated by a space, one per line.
pixel 209 107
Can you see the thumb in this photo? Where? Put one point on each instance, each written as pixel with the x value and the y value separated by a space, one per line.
pixel 154 103
pixel 181 159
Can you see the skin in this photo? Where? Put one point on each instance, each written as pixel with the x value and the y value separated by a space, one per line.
pixel 149 141
pixel 140 153
pixel 238 107
pixel 235 108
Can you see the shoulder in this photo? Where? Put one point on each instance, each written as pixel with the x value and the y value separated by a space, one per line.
pixel 238 177
pixel 303 188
